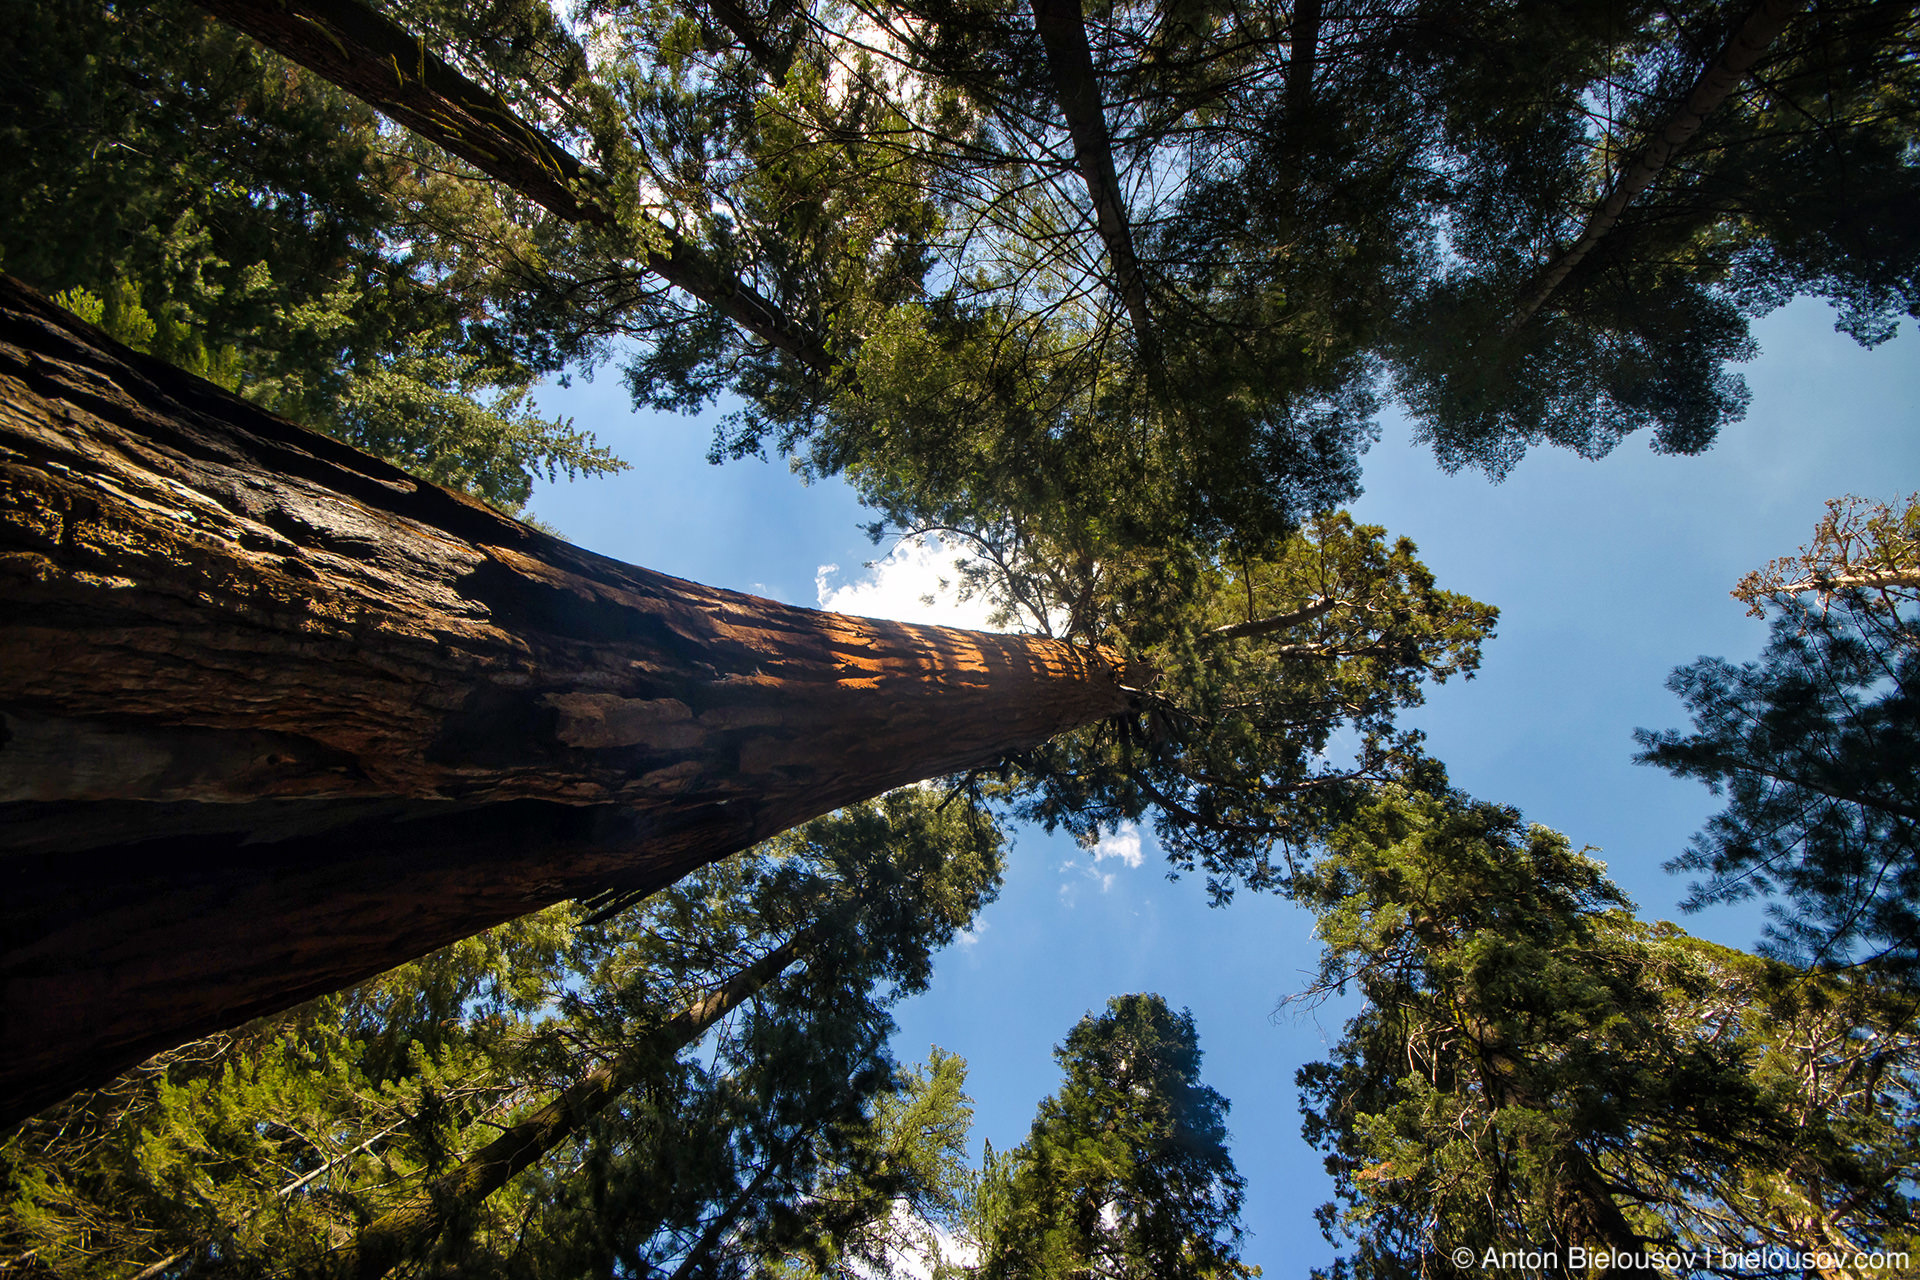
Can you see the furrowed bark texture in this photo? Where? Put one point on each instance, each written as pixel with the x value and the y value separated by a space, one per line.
pixel 390 69
pixel 275 717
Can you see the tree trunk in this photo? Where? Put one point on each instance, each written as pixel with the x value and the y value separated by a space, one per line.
pixel 399 1233
pixel 772 59
pixel 1742 50
pixel 1303 52
pixel 275 717
pixel 390 69
pixel 1063 33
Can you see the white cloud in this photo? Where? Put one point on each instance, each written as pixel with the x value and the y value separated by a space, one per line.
pixel 916 583
pixel 933 1245
pixel 1123 842
pixel 969 937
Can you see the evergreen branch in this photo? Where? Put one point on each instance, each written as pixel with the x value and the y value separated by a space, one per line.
pixel 384 1243
pixel 1266 626
pixel 378 61
pixel 1063 32
pixel 1742 50
pixel 703 1247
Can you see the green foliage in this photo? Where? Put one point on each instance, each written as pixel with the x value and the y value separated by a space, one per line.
pixel 1763 204
pixel 786 1133
pixel 1817 747
pixel 444 418
pixel 883 1214
pixel 1535 1069
pixel 209 204
pixel 1126 1171
pixel 1266 668
pixel 1322 208
pixel 250 1152
pixel 1324 205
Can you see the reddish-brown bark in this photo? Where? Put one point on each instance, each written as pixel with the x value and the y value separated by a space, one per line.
pixel 275 716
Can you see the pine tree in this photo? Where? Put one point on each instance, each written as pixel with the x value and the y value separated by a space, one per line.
pixel 206 201
pixel 1817 745
pixel 996 260
pixel 1126 1171
pixel 1536 1070
pixel 530 1102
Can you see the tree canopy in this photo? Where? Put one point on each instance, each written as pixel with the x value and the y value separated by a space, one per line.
pixel 1109 298
pixel 1126 1172
pixel 990 262
pixel 1537 1071
pixel 1817 746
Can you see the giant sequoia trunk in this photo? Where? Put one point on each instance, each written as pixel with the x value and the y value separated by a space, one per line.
pixel 275 716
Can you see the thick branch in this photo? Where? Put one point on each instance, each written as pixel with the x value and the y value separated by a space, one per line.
pixel 275 716
pixel 1063 32
pixel 1267 626
pixel 1303 44
pixel 397 1234
pixel 1742 50
pixel 1827 584
pixel 774 61
pixel 378 61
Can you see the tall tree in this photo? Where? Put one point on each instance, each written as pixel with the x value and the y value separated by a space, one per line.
pixel 863 898
pixel 571 1128
pixel 242 218
pixel 234 647
pixel 1614 232
pixel 1535 1070
pixel 1126 1172
pixel 996 260
pixel 1817 745
pixel 446 684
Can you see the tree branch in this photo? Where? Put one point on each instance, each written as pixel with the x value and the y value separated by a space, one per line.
pixel 390 69
pixel 775 62
pixel 1063 33
pixel 1266 626
pixel 383 1243
pixel 1742 50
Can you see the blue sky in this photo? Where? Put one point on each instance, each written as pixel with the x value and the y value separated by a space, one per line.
pixel 1607 574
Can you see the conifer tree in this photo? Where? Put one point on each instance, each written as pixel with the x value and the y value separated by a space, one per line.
pixel 529 1102
pixel 1536 1070
pixel 1126 1172
pixel 1006 258
pixel 585 728
pixel 206 201
pixel 1817 745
